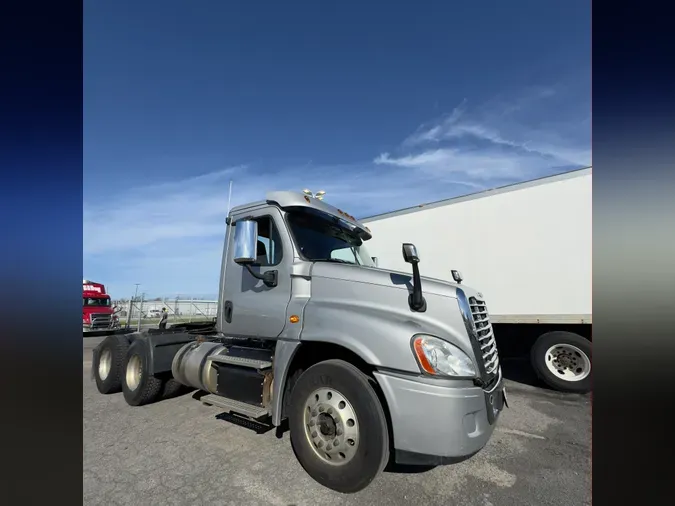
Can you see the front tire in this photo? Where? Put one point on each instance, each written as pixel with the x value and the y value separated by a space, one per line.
pixel 139 387
pixel 338 428
pixel 562 360
pixel 108 364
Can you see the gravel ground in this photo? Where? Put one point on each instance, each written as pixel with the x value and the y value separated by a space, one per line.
pixel 178 452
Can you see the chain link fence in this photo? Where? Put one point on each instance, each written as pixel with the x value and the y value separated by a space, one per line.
pixel 139 312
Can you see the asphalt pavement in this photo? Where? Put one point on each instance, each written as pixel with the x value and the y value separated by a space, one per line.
pixel 179 452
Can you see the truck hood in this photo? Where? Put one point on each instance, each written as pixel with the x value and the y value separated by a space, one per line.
pixel 382 277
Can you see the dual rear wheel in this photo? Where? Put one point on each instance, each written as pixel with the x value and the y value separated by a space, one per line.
pixel 120 366
pixel 139 387
pixel 109 363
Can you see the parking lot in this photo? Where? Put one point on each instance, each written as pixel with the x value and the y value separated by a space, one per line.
pixel 179 452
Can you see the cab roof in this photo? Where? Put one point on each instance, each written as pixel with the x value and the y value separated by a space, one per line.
pixel 293 200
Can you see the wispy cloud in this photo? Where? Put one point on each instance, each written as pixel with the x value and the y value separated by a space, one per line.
pixel 500 139
pixel 469 168
pixel 434 131
pixel 169 236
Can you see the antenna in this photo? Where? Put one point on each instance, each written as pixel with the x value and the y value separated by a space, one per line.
pixel 229 198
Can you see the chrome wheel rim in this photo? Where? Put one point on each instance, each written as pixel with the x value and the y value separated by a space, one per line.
pixel 134 372
pixel 104 364
pixel 568 362
pixel 331 426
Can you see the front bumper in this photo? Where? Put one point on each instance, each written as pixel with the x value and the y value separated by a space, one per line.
pixel 87 327
pixel 439 423
pixel 88 331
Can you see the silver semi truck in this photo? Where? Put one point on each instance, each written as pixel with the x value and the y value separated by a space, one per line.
pixel 368 366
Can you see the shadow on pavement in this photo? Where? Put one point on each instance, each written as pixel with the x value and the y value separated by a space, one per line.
pixel 519 370
pixel 395 468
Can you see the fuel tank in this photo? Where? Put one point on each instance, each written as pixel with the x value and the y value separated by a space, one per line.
pixel 192 365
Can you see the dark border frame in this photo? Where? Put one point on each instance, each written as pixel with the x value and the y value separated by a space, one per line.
pixel 41 161
pixel 633 251
pixel 634 248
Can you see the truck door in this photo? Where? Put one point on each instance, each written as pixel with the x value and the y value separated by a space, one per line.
pixel 252 309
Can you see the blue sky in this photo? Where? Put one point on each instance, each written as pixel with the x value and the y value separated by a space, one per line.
pixel 384 106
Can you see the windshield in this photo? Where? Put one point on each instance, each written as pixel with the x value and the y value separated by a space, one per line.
pixel 319 240
pixel 95 301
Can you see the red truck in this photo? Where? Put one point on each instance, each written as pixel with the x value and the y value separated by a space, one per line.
pixel 98 313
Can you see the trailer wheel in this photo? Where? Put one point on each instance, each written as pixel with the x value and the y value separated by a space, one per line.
pixel 339 431
pixel 108 364
pixel 562 360
pixel 138 386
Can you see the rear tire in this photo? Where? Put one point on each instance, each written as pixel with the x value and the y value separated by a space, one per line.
pixel 108 364
pixel 562 360
pixel 138 386
pixel 171 388
pixel 347 413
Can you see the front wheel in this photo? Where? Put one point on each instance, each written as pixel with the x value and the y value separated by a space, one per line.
pixel 338 428
pixel 563 361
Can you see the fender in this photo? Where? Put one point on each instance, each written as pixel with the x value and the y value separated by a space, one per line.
pixel 163 347
pixel 283 356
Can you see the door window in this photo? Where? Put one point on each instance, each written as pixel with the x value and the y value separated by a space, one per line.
pixel 269 242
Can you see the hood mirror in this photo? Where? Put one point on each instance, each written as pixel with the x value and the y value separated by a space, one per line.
pixel 416 298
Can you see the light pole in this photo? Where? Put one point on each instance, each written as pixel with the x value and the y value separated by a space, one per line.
pixel 140 311
pixel 132 304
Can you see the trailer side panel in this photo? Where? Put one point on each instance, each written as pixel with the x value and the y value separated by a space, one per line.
pixel 528 247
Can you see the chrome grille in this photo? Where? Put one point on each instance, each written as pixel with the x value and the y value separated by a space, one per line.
pixel 485 335
pixel 101 320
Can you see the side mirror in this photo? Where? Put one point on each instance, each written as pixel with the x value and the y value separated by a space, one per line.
pixel 245 242
pixel 246 250
pixel 410 253
pixel 374 259
pixel 416 298
pixel 457 276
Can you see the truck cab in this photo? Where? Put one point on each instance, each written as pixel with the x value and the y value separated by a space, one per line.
pixel 97 309
pixel 367 365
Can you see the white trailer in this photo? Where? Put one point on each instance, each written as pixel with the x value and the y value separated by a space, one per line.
pixel 528 246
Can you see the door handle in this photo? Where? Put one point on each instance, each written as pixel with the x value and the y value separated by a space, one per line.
pixel 228 311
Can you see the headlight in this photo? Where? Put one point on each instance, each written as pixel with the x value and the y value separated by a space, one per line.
pixel 438 357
